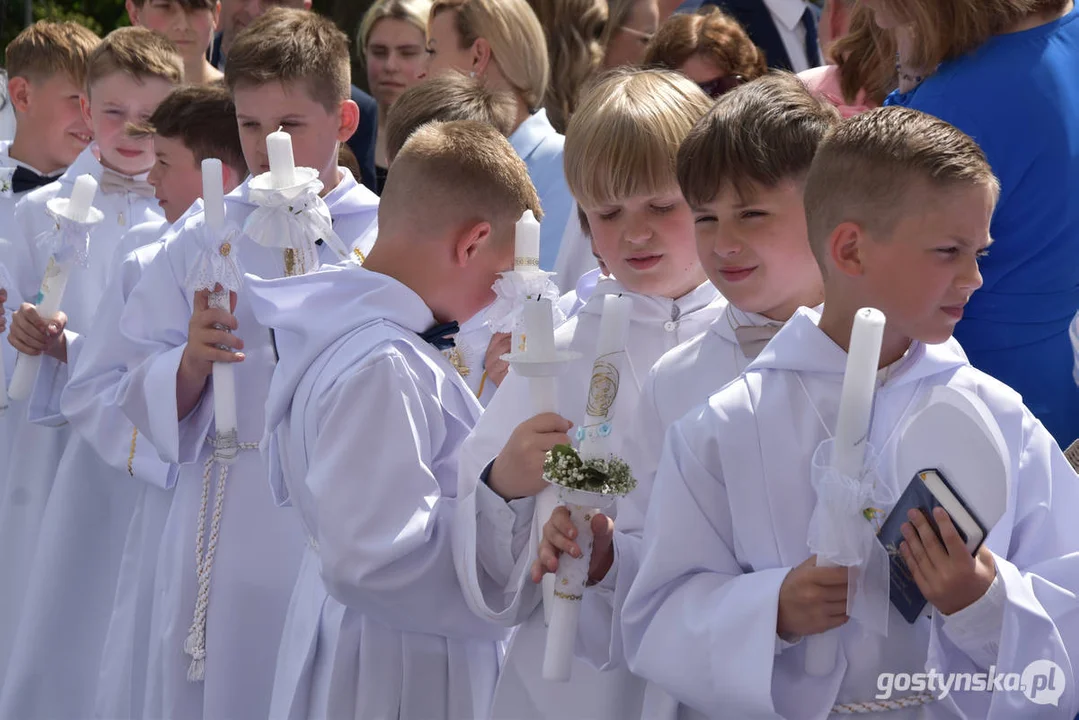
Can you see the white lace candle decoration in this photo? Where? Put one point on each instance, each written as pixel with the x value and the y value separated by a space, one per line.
pixel 848 460
pixel 68 243
pixel 218 266
pixel 290 214
pixel 541 362
pixel 589 480
pixel 8 285
pixel 525 282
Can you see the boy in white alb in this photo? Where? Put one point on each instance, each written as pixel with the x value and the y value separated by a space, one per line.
pixel 367 418
pixel 643 231
pixel 220 623
pixel 898 207
pixel 127 75
pixel 752 243
pixel 97 486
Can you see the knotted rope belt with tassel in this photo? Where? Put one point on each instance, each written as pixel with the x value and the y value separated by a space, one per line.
pixel 195 645
pixel 876 706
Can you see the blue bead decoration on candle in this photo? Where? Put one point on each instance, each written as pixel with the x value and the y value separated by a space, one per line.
pixel 580 434
pixel 605 429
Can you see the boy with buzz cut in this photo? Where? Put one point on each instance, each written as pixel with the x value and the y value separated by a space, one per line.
pixel 95 474
pixel 229 556
pixel 446 97
pixel 898 206
pixel 742 169
pixel 127 75
pixel 367 418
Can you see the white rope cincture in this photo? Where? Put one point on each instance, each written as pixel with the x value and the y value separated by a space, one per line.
pixel 195 644
pixel 876 706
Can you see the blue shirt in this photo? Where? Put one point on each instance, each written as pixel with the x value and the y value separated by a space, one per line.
pixel 1018 96
pixel 540 146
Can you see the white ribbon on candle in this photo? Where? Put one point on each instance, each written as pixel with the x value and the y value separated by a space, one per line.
pixel 512 290
pixel 294 217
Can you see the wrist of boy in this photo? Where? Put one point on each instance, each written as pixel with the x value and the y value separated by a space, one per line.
pixel 493 476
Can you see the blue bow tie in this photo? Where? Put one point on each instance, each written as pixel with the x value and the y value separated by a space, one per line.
pixel 439 335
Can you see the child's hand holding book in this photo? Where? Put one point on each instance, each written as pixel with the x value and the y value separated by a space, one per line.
pixel 946 573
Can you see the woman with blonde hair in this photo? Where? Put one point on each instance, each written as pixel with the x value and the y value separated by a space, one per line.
pixel 392 43
pixel 574 30
pixel 1004 71
pixel 710 48
pixel 631 25
pixel 621 151
pixel 502 42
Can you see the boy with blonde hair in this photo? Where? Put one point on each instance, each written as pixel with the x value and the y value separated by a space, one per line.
pixel 898 206
pixel 229 556
pixel 127 75
pixel 620 162
pixel 95 474
pixel 378 627
pixel 743 170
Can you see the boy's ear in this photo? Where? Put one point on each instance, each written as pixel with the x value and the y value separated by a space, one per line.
pixel 132 12
pixel 469 242
pixel 846 248
pixel 481 56
pixel 19 92
pixel 348 120
pixel 217 16
pixel 84 103
pixel 229 178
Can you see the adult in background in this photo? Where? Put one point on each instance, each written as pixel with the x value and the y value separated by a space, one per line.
pixel 393 44
pixel 1004 71
pixel 238 14
pixel 574 32
pixel 502 42
pixel 631 26
pixel 787 30
pixel 710 48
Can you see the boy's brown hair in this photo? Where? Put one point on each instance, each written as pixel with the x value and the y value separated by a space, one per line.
pixel 464 171
pixel 712 34
pixel 447 97
pixel 867 171
pixel 139 53
pixel 285 46
pixel 203 118
pixel 760 133
pixel 187 5
pixel 46 48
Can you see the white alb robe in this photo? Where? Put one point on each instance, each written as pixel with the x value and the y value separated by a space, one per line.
pixel 369 419
pixel 35 449
pixel 495 541
pixel 729 518
pixel 83 529
pixel 260 545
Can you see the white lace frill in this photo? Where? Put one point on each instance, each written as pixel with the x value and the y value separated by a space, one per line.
pixel 217 263
pixel 512 289
pixel 68 240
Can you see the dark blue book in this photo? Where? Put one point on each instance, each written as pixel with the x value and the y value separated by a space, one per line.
pixel 927 490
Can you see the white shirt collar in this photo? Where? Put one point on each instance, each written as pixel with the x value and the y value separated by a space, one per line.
pixel 788 12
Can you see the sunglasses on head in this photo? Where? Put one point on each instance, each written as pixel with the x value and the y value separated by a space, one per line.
pixel 715 88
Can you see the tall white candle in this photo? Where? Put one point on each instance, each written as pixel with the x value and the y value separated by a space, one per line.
pixel 526 243
pixel 4 402
pixel 213 193
pixel 282 164
pixel 52 287
pixel 82 198
pixel 538 329
pixel 603 386
pixel 851 439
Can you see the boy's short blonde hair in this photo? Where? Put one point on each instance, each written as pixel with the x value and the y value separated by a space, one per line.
pixel 761 133
pixel 46 48
pixel 463 172
pixel 868 170
pixel 447 97
pixel 137 52
pixel 516 38
pixel 413 12
pixel 624 138
pixel 290 46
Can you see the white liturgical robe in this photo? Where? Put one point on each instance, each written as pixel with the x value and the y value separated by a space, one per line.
pixel 729 518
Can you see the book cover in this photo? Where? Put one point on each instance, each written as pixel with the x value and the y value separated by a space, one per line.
pixel 927 490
